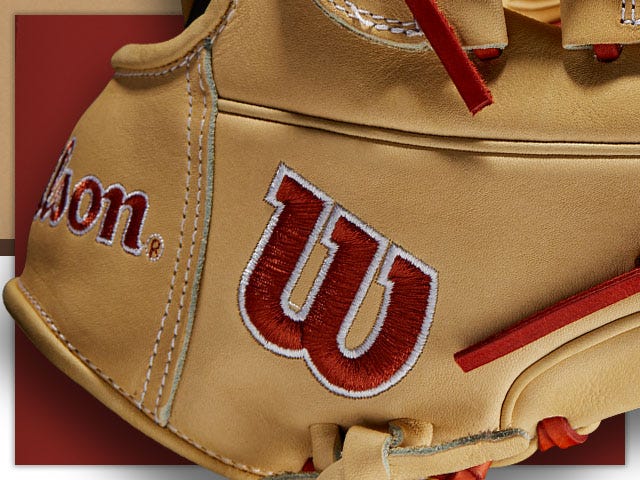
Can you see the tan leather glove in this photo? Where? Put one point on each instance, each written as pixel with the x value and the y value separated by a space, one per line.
pixel 542 10
pixel 280 242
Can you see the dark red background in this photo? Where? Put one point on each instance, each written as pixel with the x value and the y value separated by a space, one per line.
pixel 62 64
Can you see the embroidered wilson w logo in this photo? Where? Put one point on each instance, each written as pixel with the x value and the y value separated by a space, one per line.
pixel 317 332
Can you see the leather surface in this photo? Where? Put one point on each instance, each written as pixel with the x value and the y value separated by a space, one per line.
pixel 589 22
pixel 527 253
pixel 526 204
pixel 111 147
pixel 547 11
pixel 478 24
pixel 175 137
pixel 541 91
pixel 540 393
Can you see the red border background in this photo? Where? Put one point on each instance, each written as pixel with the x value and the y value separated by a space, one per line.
pixel 62 64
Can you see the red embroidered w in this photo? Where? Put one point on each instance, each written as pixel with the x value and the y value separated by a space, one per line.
pixel 318 331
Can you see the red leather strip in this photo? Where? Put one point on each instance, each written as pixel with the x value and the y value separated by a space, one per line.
pixel 308 466
pixel 607 52
pixel 473 473
pixel 487 53
pixel 445 43
pixel 557 432
pixel 549 320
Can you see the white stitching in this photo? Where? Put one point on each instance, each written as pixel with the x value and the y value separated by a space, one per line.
pixel 634 21
pixel 45 316
pixel 186 60
pixel 358 15
pixel 195 229
pixel 381 262
pixel 367 13
pixel 72 348
pixel 172 284
pixel 391 25
pixel 223 459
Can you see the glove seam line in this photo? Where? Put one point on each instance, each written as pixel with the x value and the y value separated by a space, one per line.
pixel 495 147
pixel 52 326
pixel 194 235
pixel 186 59
pixel 106 378
pixel 178 260
pixel 391 24
pixel 186 62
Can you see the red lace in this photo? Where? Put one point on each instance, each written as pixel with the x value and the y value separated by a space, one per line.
pixel 473 473
pixel 557 432
pixel 455 60
pixel 607 52
pixel 552 432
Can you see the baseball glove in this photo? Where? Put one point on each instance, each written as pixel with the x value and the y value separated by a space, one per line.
pixel 281 245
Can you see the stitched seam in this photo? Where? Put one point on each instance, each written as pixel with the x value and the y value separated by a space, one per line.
pixel 225 460
pixel 217 456
pixel 361 11
pixel 624 17
pixel 391 25
pixel 186 60
pixel 194 235
pixel 172 284
pixel 72 348
pixel 49 321
pixel 195 290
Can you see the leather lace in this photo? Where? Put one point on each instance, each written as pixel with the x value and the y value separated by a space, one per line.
pixel 445 43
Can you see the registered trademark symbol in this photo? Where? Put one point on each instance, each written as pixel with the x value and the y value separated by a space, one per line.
pixel 155 247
